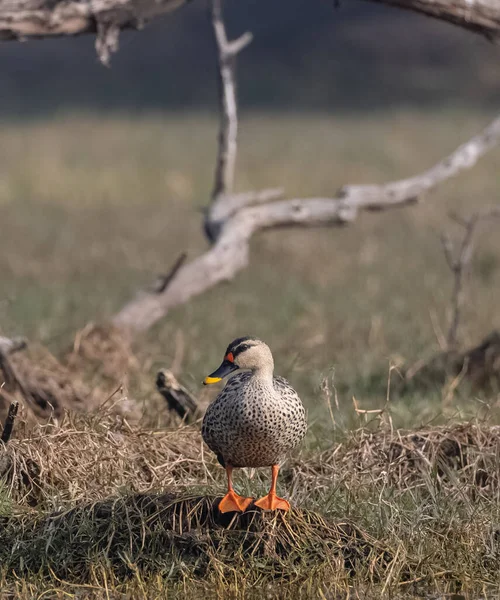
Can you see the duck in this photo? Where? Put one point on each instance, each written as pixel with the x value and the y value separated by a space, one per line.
pixel 255 421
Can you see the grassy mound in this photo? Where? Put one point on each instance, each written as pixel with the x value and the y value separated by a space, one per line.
pixel 172 535
pixel 83 503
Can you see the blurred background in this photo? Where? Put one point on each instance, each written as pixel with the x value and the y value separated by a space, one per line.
pixel 312 56
pixel 104 174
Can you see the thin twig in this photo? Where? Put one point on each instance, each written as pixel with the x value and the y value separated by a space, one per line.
pixel 164 281
pixel 459 263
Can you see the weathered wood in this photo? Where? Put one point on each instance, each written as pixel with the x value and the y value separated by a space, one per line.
pixel 24 19
pixel 480 16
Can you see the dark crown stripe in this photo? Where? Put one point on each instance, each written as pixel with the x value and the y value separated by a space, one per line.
pixel 241 344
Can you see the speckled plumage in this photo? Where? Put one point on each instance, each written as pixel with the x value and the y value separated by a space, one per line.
pixel 257 419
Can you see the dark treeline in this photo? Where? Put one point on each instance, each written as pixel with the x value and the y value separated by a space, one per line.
pixel 309 56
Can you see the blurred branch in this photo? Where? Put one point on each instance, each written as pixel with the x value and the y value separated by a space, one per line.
pixel 33 19
pixel 230 253
pixel 459 261
pixel 479 16
pixel 228 132
pixel 25 19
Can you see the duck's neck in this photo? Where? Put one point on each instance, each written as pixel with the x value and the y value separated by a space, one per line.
pixel 264 374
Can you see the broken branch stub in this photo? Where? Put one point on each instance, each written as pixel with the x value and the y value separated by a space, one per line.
pixel 178 398
pixel 9 422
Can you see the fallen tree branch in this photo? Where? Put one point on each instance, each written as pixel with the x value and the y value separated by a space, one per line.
pixel 232 219
pixel 229 255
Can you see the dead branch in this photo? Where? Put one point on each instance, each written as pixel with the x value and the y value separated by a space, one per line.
pixel 232 219
pixel 9 422
pixel 229 255
pixel 33 19
pixel 24 19
pixel 228 127
pixel 459 263
pixel 226 55
pixel 178 398
pixel 479 16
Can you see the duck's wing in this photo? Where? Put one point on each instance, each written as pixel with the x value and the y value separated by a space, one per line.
pixel 282 386
pixel 291 397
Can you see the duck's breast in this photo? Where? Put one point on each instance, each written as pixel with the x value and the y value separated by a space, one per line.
pixel 256 426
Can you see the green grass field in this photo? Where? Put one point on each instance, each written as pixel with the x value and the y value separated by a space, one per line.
pixel 94 207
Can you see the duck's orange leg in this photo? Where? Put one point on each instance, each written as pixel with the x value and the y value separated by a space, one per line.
pixel 271 501
pixel 232 501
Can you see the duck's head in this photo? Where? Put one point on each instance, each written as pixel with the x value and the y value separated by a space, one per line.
pixel 243 353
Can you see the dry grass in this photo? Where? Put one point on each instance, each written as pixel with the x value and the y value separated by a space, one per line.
pixel 87 458
pixel 460 460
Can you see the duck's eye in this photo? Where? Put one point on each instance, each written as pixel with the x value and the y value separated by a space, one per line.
pixel 230 357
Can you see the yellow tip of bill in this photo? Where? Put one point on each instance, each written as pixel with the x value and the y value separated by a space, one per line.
pixel 209 380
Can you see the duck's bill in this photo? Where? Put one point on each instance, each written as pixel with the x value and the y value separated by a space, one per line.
pixel 223 371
